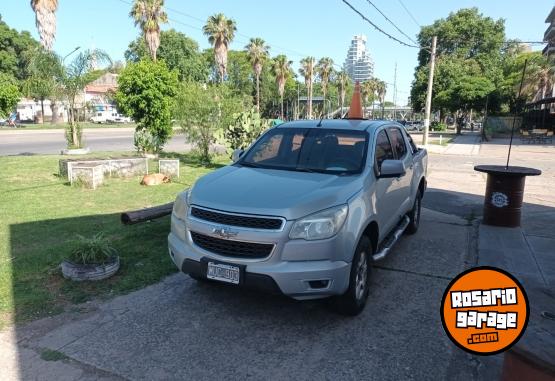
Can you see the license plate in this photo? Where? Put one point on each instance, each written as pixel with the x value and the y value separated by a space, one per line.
pixel 223 273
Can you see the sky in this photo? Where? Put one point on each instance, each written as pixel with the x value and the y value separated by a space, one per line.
pixel 296 28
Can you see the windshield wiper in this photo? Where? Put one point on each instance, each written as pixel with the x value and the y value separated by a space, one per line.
pixel 310 170
pixel 250 165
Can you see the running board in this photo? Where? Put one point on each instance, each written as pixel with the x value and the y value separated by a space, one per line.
pixel 391 240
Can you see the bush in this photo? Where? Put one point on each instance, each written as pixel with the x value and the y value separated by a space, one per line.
pixel 245 128
pixel 146 92
pixel 95 250
pixel 437 126
pixel 9 95
pixel 202 111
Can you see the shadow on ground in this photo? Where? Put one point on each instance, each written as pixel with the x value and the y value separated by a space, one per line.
pixel 181 329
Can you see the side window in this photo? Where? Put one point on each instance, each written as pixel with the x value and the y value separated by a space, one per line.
pixel 398 142
pixel 383 148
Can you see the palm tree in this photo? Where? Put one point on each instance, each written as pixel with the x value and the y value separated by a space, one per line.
pixel 324 68
pixel 149 14
pixel 342 79
pixel 282 71
pixel 367 89
pixel 45 20
pixel 381 88
pixel 220 31
pixel 307 71
pixel 257 51
pixel 78 74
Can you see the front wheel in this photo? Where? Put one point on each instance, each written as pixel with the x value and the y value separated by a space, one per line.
pixel 352 302
pixel 414 214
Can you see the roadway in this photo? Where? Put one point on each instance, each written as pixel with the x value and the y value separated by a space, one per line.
pixel 52 141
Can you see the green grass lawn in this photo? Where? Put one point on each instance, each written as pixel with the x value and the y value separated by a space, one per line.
pixel 40 216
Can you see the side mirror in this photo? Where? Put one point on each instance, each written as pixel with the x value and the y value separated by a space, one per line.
pixel 392 168
pixel 236 155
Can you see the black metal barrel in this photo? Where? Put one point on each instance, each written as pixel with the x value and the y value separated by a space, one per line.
pixel 504 193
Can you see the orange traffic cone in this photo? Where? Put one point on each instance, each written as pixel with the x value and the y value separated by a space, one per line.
pixel 355 110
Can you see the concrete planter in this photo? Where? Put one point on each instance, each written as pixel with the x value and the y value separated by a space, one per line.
pixel 79 272
pixel 76 151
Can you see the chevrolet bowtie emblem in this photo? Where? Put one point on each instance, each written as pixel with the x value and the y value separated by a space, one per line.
pixel 224 232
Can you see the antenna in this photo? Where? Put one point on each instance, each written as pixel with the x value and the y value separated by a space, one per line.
pixel 320 122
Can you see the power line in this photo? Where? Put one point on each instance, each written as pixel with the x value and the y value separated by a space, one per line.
pixel 391 22
pixel 410 14
pixel 378 28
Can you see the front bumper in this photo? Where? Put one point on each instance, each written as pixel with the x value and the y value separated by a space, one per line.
pixel 297 279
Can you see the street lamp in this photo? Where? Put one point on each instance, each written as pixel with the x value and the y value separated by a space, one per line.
pixel 70 53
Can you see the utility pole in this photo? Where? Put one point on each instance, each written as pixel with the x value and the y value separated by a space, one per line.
pixel 395 92
pixel 429 94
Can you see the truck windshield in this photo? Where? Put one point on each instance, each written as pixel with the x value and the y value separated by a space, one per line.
pixel 309 150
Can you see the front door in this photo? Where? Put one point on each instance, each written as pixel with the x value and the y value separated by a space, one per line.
pixel 403 183
pixel 387 200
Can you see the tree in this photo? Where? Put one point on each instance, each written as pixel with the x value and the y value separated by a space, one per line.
pixel 307 71
pixel 45 20
pixel 180 53
pixel 146 92
pixel 44 82
pixel 15 50
pixel 368 92
pixel 203 110
pixel 148 15
pixel 220 31
pixel 469 45
pixel 343 80
pixel 73 79
pixel 257 51
pixel 9 95
pixel 282 70
pixel 324 69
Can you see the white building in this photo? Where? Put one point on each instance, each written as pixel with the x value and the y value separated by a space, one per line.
pixel 359 64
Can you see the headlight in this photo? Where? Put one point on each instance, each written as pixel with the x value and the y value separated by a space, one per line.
pixel 180 205
pixel 320 225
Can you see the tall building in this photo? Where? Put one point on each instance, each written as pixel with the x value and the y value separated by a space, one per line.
pixel 549 35
pixel 359 64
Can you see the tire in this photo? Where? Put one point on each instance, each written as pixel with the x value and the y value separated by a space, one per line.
pixel 414 214
pixel 352 302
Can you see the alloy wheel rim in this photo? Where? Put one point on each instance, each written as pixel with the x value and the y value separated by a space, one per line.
pixel 362 273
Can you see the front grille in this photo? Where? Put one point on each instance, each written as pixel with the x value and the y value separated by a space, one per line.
pixel 232 248
pixel 237 220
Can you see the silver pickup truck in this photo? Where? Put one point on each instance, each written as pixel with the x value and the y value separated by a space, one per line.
pixel 305 211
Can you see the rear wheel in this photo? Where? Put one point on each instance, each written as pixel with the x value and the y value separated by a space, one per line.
pixel 352 302
pixel 414 214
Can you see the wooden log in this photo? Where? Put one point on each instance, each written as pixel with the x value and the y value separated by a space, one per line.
pixel 141 215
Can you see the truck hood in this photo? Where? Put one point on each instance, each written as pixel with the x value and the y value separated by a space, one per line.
pixel 287 194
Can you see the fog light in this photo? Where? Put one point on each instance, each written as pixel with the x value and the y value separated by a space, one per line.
pixel 318 283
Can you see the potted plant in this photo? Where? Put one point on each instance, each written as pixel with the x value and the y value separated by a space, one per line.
pixel 91 259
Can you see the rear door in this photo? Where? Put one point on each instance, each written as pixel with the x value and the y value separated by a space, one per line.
pixel 403 183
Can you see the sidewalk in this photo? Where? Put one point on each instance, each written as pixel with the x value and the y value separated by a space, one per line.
pixel 462 145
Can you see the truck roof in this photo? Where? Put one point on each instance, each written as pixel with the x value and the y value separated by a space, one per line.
pixel 347 124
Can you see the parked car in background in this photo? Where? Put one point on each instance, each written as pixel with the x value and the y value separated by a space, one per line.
pixel 413 125
pixel 118 118
pixel 101 117
pixel 305 211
